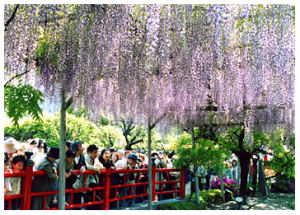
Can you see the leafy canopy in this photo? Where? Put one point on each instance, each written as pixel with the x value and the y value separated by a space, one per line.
pixel 22 99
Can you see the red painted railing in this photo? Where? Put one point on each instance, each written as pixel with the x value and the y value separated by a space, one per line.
pixel 105 187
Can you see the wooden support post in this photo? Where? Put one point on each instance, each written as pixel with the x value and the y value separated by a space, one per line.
pixel 26 185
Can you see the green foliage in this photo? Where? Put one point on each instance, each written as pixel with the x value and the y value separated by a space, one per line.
pixel 206 152
pixel 283 184
pixel 44 50
pixel 284 155
pixel 182 206
pixel 207 197
pixel 283 161
pixel 22 99
pixel 78 128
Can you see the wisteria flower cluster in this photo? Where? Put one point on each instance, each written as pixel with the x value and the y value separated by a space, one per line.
pixel 228 184
pixel 147 61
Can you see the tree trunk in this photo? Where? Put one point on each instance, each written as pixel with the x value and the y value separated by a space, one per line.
pixel 244 158
pixel 222 185
pixel 195 168
pixel 262 184
pixel 254 178
pixel 62 154
pixel 149 168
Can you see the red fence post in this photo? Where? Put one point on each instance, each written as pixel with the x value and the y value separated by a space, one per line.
pixel 26 185
pixel 105 195
pixel 182 184
pixel 153 182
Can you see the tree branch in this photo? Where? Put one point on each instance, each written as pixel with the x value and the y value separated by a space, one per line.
pixel 138 141
pixel 157 121
pixel 187 130
pixel 241 138
pixel 17 75
pixel 135 136
pixel 11 18
pixel 68 103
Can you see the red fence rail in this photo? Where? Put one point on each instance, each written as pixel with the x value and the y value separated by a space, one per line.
pixel 105 187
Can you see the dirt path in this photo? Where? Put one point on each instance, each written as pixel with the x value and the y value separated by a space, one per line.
pixel 273 201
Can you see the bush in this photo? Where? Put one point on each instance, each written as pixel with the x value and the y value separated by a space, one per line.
pixel 182 206
pixel 228 184
pixel 283 185
pixel 77 128
pixel 208 196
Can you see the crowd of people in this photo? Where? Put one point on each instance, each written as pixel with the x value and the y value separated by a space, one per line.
pixel 81 157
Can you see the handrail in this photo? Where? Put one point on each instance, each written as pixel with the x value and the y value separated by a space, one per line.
pixel 106 186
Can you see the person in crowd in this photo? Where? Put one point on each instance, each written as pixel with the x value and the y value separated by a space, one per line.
pixel 96 161
pixel 7 163
pixel 121 164
pixel 114 157
pixel 10 147
pixel 70 157
pixel 15 182
pixel 143 178
pixel 235 170
pixel 112 150
pixel 227 170
pixel 207 177
pixel 83 149
pixel 68 144
pixel 39 152
pixel 202 180
pixel 44 183
pixel 79 164
pixel 174 176
pixel 160 176
pixel 99 151
pixel 130 178
pixel 127 153
pixel 21 148
pixel 165 156
pixel 116 179
pixel 214 174
pixel 92 180
pixel 7 168
pixel 142 164
pixel 33 144
pixel 105 159
pixel 42 146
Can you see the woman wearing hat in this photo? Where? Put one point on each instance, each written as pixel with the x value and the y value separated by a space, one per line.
pixel 10 147
pixel 21 148
pixel 44 183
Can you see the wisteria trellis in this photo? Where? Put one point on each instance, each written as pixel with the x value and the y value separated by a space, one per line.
pixel 148 60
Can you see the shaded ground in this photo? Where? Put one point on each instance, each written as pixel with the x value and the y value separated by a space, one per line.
pixel 273 201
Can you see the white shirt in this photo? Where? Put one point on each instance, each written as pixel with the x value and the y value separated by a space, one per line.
pixel 77 159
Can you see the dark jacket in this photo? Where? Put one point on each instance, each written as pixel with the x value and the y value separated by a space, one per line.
pixel 107 165
pixel 43 183
pixel 71 180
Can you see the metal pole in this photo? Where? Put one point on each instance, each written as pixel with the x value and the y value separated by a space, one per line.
pixel 62 154
pixel 149 168
pixel 222 184
pixel 195 167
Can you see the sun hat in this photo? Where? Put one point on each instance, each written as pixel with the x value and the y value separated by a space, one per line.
pixel 11 145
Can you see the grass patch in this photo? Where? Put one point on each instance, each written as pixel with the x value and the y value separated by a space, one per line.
pixel 206 198
pixel 182 206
